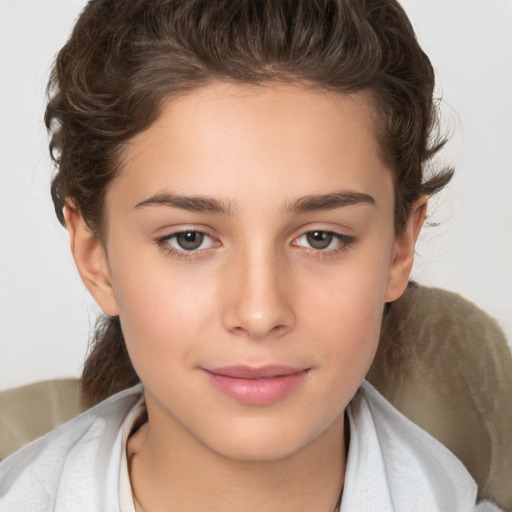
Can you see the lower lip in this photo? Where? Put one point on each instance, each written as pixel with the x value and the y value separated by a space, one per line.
pixel 257 391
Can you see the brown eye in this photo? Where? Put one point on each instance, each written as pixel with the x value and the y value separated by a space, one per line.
pixel 319 239
pixel 189 240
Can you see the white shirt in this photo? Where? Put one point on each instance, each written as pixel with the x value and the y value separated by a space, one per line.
pixel 392 465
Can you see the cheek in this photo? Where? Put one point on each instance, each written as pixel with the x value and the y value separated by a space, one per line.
pixel 351 322
pixel 343 321
pixel 348 308
pixel 161 307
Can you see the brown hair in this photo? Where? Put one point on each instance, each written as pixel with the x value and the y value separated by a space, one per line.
pixel 124 57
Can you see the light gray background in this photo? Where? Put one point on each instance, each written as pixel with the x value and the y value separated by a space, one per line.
pixel 45 312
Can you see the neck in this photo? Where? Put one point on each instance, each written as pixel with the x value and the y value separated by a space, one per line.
pixel 174 473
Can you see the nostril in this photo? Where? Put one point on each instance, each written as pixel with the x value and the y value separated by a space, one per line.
pixel 279 329
pixel 260 332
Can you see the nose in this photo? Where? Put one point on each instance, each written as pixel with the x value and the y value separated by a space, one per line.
pixel 258 301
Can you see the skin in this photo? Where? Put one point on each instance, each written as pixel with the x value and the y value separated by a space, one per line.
pixel 256 291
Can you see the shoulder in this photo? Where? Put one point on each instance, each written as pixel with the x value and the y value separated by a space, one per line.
pixel 393 465
pixel 68 466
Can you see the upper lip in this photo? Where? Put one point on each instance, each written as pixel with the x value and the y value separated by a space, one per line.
pixel 252 372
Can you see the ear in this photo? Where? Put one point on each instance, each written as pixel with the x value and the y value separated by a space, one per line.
pixel 403 252
pixel 90 259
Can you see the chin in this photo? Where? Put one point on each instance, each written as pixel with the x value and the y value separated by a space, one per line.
pixel 271 439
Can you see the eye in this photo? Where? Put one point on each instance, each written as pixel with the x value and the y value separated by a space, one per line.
pixel 187 241
pixel 321 240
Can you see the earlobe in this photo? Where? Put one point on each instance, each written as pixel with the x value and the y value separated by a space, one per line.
pixel 403 253
pixel 90 259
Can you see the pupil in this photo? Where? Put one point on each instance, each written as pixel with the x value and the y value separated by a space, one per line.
pixel 190 240
pixel 319 239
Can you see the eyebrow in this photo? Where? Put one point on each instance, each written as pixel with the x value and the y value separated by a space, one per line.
pixel 202 204
pixel 329 201
pixel 197 204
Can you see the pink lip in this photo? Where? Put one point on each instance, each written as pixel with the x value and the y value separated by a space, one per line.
pixel 257 386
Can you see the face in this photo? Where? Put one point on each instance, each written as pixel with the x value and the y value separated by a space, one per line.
pixel 249 252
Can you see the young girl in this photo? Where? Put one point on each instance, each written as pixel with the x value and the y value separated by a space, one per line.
pixel 243 186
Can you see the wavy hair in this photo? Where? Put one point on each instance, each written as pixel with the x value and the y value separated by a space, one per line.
pixel 124 57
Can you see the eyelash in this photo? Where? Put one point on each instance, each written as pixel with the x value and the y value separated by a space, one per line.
pixel 345 242
pixel 164 244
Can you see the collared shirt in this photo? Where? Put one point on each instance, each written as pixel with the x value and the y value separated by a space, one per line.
pixel 392 464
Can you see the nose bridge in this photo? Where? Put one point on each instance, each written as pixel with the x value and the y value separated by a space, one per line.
pixel 259 303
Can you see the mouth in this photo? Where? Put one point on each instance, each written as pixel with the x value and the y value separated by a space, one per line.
pixel 256 385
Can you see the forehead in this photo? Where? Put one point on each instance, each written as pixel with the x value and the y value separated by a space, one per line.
pixel 224 139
